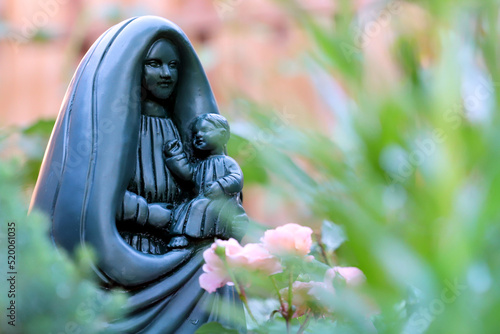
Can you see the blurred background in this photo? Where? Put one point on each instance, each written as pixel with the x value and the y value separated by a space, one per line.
pixel 250 49
pixel 375 122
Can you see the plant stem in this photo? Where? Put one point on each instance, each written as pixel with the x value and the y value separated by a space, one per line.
pixel 278 292
pixel 239 290
pixel 290 297
pixel 243 298
pixel 303 326
pixel 323 250
pixel 290 293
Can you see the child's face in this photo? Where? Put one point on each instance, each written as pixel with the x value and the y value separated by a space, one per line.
pixel 207 137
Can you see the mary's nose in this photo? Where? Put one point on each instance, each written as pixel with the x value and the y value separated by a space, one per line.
pixel 165 72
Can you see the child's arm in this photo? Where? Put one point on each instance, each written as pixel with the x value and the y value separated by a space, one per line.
pixel 177 161
pixel 231 183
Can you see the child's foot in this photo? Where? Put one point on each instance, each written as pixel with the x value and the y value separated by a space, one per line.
pixel 178 242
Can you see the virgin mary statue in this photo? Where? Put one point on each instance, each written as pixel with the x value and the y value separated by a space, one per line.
pixel 104 183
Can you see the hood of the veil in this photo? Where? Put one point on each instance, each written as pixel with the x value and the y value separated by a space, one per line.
pixel 91 154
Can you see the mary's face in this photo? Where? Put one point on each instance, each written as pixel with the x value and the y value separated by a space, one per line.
pixel 160 71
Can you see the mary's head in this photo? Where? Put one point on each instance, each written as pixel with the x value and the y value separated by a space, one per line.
pixel 161 70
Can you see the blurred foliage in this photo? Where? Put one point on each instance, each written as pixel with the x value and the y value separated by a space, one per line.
pixel 252 168
pixel 33 140
pixel 408 170
pixel 52 294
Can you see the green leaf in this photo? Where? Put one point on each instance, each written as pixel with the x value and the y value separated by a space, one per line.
pixel 215 328
pixel 332 235
pixel 42 128
pixel 246 154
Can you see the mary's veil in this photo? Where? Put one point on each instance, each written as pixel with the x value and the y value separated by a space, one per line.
pixel 91 154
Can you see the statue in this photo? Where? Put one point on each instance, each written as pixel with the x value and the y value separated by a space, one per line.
pixel 136 167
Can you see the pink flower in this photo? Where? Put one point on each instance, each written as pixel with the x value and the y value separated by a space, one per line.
pixel 215 272
pixel 303 298
pixel 353 276
pixel 254 257
pixel 289 239
pixel 251 257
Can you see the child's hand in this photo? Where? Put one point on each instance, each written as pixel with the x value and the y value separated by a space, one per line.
pixel 213 190
pixel 173 147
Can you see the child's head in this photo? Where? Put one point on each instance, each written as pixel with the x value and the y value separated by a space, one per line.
pixel 210 132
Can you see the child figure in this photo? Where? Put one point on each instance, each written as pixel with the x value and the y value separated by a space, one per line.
pixel 216 210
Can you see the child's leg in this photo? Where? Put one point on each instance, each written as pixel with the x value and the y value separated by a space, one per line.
pixel 159 215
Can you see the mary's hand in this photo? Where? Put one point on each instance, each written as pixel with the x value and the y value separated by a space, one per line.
pixel 159 215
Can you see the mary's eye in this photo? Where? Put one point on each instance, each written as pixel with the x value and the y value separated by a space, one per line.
pixel 173 64
pixel 153 63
